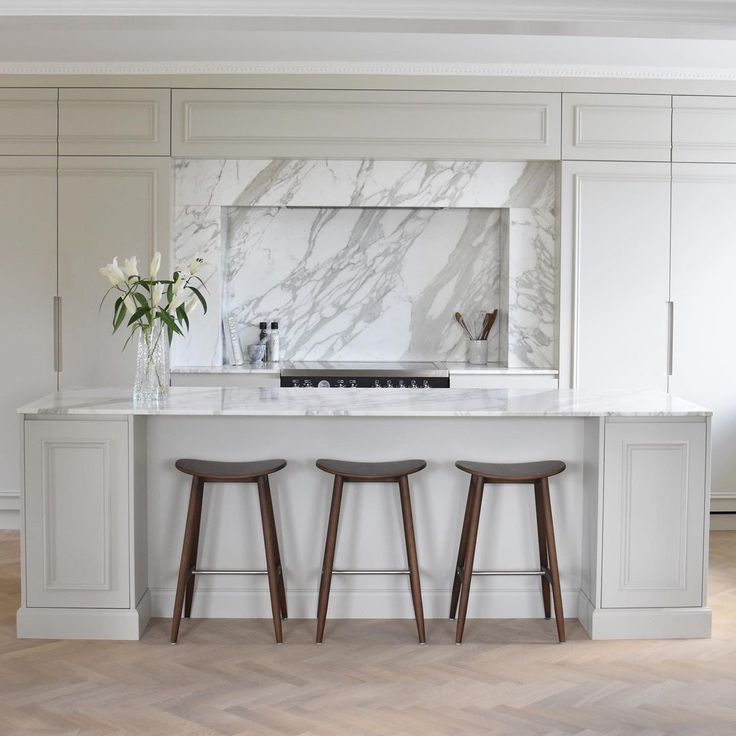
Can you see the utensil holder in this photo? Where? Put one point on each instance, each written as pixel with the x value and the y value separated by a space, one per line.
pixel 478 352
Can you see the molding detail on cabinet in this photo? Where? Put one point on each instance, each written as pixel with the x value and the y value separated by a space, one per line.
pixel 631 576
pixel 96 455
pixel 128 122
pixel 704 129
pixel 365 124
pixel 28 122
pixel 616 127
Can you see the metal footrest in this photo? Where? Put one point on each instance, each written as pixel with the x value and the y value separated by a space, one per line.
pixel 543 573
pixel 228 572
pixel 370 572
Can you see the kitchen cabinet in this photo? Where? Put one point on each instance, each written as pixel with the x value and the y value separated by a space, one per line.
pixel 242 123
pixel 114 122
pixel 108 206
pixel 703 267
pixel 654 506
pixel 616 127
pixel 76 514
pixel 28 122
pixel 703 129
pixel 28 246
pixel 615 244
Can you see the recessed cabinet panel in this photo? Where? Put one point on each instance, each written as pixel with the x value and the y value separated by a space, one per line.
pixel 365 124
pixel 704 129
pixel 28 247
pixel 703 267
pixel 653 514
pixel 616 127
pixel 618 224
pixel 28 122
pixel 76 513
pixel 108 206
pixel 123 122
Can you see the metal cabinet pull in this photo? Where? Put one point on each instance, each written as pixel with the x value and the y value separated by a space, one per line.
pixel 670 335
pixel 57 333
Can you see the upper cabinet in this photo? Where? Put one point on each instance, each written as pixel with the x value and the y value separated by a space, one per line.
pixel 28 122
pixel 114 122
pixel 614 127
pixel 704 129
pixel 365 124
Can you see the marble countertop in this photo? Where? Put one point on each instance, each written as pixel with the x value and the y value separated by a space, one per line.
pixel 195 401
pixel 454 367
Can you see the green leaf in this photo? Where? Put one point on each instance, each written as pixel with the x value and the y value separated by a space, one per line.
pixel 169 322
pixel 182 316
pixel 199 296
pixel 140 312
pixel 120 312
pixel 141 299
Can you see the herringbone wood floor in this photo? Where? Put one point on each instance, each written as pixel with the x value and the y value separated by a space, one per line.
pixel 510 677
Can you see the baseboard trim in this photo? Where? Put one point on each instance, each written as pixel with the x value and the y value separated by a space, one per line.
pixel 723 522
pixel 10 509
pixel 723 501
pixel 80 623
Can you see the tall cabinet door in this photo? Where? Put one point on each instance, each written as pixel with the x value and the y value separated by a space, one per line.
pixel 108 206
pixel 616 235
pixel 703 268
pixel 28 247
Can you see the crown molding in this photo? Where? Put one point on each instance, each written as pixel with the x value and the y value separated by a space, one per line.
pixel 573 71
pixel 679 11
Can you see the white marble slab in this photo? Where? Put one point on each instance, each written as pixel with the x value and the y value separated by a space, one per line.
pixel 191 401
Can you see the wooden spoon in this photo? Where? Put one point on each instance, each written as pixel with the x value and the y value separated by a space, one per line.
pixel 488 322
pixel 459 319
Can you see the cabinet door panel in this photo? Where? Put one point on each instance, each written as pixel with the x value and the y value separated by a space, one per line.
pixel 28 122
pixel 28 246
pixel 76 514
pixel 653 512
pixel 704 129
pixel 107 207
pixel 619 231
pixel 703 267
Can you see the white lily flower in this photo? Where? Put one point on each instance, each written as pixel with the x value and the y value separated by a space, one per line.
pixel 113 272
pixel 176 302
pixel 191 305
pixel 129 304
pixel 155 264
pixel 196 264
pixel 156 293
pixel 180 283
pixel 130 267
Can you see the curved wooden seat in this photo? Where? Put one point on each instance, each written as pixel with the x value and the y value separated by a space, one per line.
pixel 212 471
pixel 380 471
pixel 512 472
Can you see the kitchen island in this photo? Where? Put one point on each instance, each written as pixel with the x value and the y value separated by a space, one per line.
pixel 104 509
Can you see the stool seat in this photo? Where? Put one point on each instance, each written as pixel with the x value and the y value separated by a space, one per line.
pixel 512 472
pixel 382 471
pixel 213 471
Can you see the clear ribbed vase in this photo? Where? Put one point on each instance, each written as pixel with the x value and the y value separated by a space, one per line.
pixel 152 375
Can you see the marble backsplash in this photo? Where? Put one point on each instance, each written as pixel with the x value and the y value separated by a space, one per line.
pixel 367 260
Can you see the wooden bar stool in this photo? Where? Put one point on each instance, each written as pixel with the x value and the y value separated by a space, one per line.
pixel 536 474
pixel 207 471
pixel 357 472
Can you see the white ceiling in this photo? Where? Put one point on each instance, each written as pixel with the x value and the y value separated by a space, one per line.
pixel 645 38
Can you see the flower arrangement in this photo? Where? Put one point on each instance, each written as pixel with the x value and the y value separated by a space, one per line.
pixel 154 306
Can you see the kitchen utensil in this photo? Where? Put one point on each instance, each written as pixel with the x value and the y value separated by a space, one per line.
pixel 459 319
pixel 256 352
pixel 488 323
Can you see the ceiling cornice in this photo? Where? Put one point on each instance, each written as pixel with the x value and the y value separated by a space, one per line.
pixel 572 71
pixel 620 11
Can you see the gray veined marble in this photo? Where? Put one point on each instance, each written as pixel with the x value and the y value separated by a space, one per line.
pixel 356 263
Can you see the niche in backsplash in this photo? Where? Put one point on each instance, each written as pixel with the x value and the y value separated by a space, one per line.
pixel 367 260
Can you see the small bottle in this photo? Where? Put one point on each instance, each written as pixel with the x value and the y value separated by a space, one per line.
pixel 263 337
pixel 273 343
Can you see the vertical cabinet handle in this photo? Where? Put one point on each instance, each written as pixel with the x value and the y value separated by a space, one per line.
pixel 670 335
pixel 57 333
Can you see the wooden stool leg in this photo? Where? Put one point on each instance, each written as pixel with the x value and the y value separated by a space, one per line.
pixel 279 569
pixel 477 494
pixel 189 598
pixel 552 551
pixel 543 558
pixel 329 558
pixel 461 554
pixel 185 565
pixel 411 556
pixel 271 564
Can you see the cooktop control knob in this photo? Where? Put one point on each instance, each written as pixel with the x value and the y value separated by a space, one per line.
pixel 353 383
pixel 401 383
pixel 307 383
pixel 389 383
pixel 295 382
pixel 341 383
pixel 323 384
pixel 413 384
pixel 377 383
pixel 425 383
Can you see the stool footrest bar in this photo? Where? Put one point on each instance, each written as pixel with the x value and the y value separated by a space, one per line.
pixel 510 572
pixel 229 572
pixel 370 572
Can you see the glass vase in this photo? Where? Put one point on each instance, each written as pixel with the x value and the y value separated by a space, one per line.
pixel 152 375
